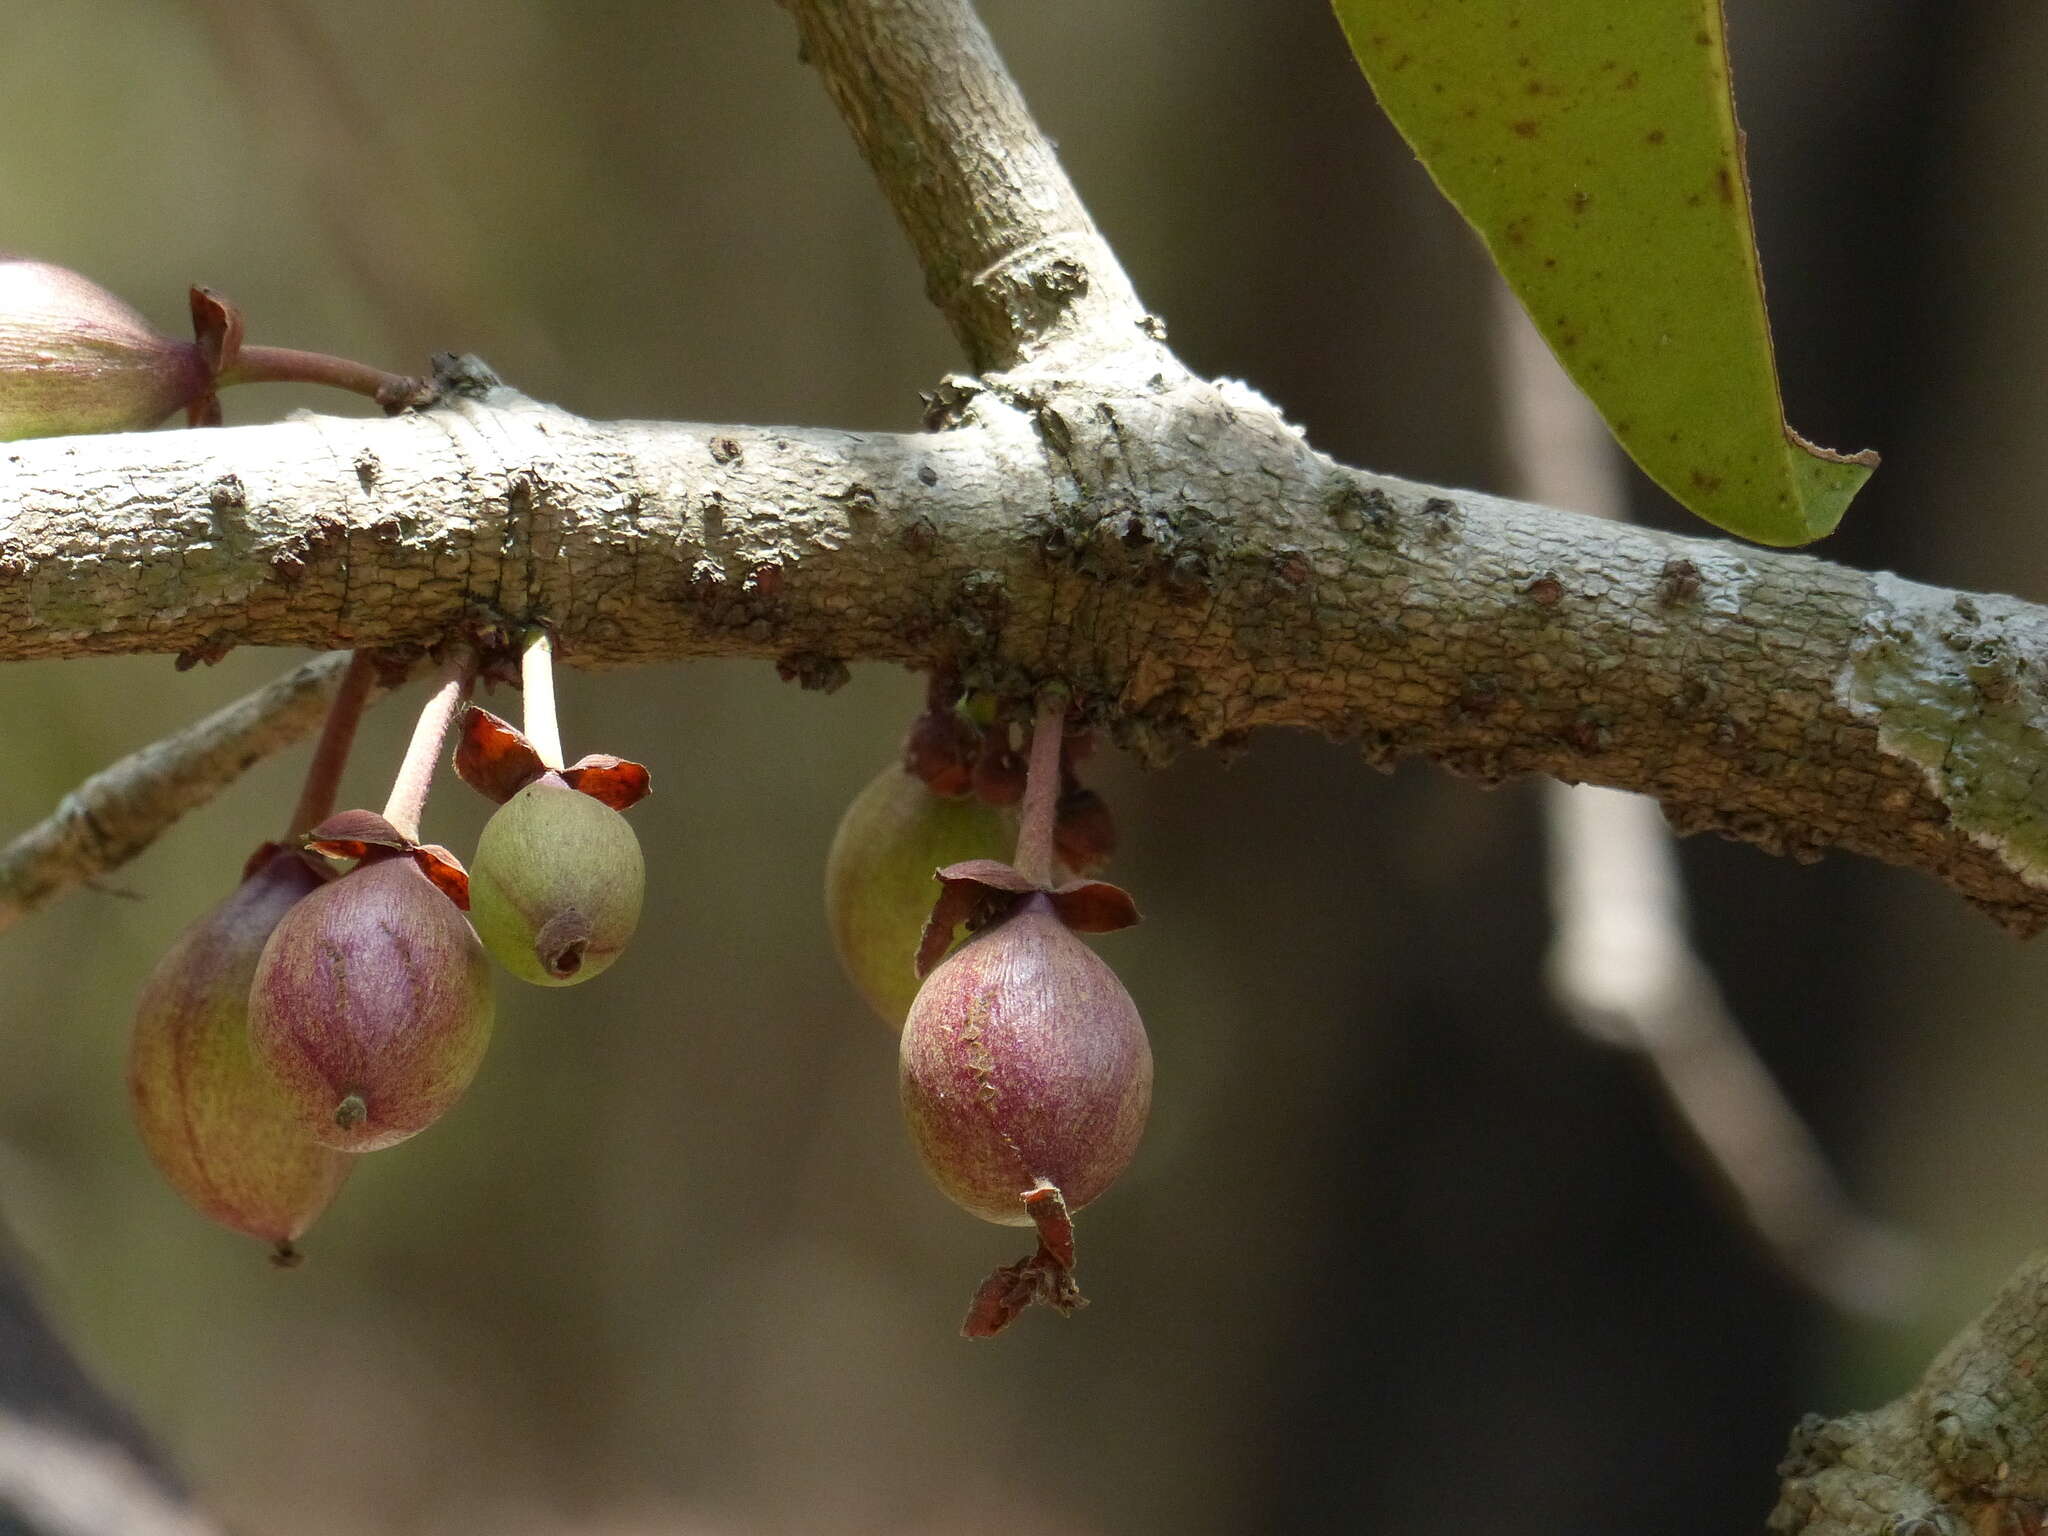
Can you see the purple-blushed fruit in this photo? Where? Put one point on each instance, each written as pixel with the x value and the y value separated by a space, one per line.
pixel 556 884
pixel 878 877
pixel 1024 1064
pixel 371 1005
pixel 73 358
pixel 213 1121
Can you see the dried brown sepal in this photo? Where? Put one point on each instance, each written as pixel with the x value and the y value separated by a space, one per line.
pixel 618 782
pixel 1083 834
pixel 1094 906
pixel 1045 1278
pixel 976 893
pixel 981 892
pixel 217 327
pixel 998 769
pixel 493 757
pixel 941 749
pixel 445 870
pixel 351 834
pixel 354 834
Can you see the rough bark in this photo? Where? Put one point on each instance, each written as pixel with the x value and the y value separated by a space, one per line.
pixel 1965 1451
pixel 1180 556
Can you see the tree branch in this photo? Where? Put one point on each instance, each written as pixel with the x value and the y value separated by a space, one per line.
pixel 1010 256
pixel 120 811
pixel 72 1460
pixel 1965 1450
pixel 1179 556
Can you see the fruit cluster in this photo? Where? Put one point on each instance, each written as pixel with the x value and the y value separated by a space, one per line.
pixel 1026 1076
pixel 316 1015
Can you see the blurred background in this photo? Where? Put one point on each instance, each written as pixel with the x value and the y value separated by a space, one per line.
pixel 1402 1251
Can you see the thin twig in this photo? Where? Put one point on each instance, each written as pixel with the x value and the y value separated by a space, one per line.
pixel 121 810
pixel 1621 966
pixel 330 752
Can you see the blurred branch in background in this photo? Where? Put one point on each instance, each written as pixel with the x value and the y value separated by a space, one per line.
pixel 72 1461
pixel 404 240
pixel 121 810
pixel 1621 966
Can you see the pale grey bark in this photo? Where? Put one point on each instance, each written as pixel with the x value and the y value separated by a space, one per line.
pixel 1179 556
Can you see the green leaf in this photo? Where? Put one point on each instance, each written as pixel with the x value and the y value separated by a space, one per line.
pixel 1593 145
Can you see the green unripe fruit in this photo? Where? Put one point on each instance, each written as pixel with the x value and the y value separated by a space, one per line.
pixel 556 884
pixel 878 878
pixel 214 1122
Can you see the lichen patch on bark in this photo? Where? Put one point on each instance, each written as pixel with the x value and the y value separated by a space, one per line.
pixel 1953 683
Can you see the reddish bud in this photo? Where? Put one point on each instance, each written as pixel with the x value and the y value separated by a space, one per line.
pixel 73 358
pixel 999 770
pixel 878 878
pixel 213 1121
pixel 371 1005
pixel 1024 1064
pixel 941 749
pixel 1084 833
pixel 556 884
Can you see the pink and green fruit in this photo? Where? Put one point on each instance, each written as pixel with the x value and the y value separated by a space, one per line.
pixel 1024 1062
pixel 216 1124
pixel 371 1005
pixel 878 878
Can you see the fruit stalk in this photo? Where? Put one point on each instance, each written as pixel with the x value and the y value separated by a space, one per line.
pixel 289 365
pixel 408 798
pixel 330 753
pixel 1040 814
pixel 537 689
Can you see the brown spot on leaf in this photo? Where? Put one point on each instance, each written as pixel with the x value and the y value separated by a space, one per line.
pixel 1703 481
pixel 1724 184
pixel 1654 136
pixel 1527 128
